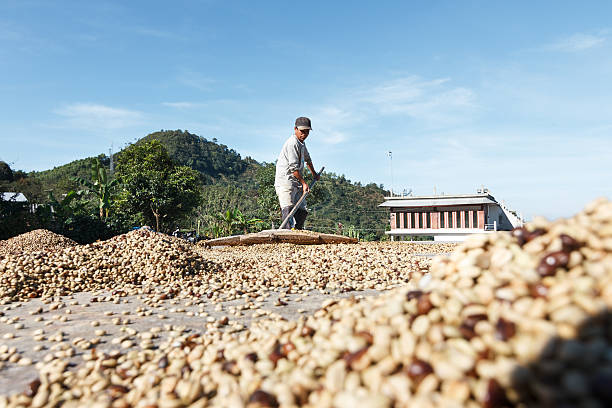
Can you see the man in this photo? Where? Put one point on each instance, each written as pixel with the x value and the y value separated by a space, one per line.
pixel 289 182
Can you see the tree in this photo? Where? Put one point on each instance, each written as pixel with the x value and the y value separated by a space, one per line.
pixel 155 187
pixel 60 213
pixel 6 174
pixel 100 186
pixel 266 195
pixel 15 217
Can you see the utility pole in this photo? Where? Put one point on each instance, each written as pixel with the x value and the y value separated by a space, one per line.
pixel 112 163
pixel 390 154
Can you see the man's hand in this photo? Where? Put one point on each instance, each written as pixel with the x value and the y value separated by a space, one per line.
pixel 313 171
pixel 305 188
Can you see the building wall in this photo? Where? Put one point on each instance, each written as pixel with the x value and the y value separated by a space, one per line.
pixel 446 223
pixel 496 214
pixel 450 238
pixel 472 217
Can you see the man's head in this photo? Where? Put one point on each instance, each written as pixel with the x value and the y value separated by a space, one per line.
pixel 302 128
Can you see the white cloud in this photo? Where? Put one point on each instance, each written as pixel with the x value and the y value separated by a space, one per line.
pixel 180 105
pixel 334 137
pixel 418 98
pixel 195 80
pixel 427 102
pixel 93 116
pixel 578 42
pixel 151 32
pixel 400 91
pixel 328 120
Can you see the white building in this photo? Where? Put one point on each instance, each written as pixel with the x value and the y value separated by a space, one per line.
pixel 14 197
pixel 448 217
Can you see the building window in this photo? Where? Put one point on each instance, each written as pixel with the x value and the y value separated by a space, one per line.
pixel 475 219
pixel 428 218
pixel 412 220
pixel 457 219
pixel 405 215
pixel 442 219
pixel 466 217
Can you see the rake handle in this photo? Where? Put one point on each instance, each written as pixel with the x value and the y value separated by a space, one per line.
pixel 297 205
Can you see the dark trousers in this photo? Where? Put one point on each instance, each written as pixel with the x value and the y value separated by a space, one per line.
pixel 299 217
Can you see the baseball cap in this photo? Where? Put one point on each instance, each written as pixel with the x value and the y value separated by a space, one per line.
pixel 302 123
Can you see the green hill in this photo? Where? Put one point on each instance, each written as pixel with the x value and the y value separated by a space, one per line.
pixel 59 179
pixel 215 161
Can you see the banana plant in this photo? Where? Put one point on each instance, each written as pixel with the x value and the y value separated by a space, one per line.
pixel 100 186
pixel 60 212
pixel 243 223
pixel 353 232
pixel 228 221
pixel 233 220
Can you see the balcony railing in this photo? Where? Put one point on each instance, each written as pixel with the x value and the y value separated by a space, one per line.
pixel 491 227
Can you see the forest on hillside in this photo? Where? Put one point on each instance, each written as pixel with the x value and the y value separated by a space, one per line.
pixel 231 194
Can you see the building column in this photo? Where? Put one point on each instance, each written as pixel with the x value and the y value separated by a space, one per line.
pixel 481 219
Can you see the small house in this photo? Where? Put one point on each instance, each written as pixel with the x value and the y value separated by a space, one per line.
pixel 14 197
pixel 448 217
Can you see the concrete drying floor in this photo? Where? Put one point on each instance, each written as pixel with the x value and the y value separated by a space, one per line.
pixel 18 324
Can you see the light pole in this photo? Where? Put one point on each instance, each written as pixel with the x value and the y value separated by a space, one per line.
pixel 390 154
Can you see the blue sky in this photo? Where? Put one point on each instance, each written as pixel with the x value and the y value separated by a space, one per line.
pixel 516 96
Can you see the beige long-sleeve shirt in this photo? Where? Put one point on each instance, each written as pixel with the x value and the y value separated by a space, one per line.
pixel 291 158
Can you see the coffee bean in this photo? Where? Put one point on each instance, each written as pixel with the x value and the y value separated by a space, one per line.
pixel 467 327
pixel 163 362
pixel 352 358
pixel 276 353
pixel 538 290
pixel 231 367
pixel 504 329
pixel 115 391
pixel 520 234
pixel 307 331
pixel 495 396
pixel 569 244
pixel 287 348
pixel 534 234
pixel 424 305
pixel 32 388
pixel 550 262
pixel 417 370
pixel 413 294
pixel 252 357
pixel 262 399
